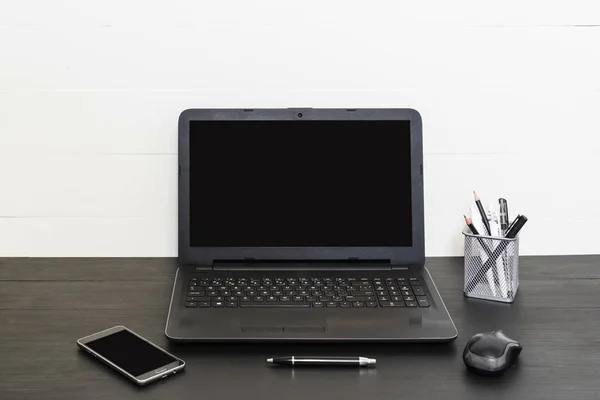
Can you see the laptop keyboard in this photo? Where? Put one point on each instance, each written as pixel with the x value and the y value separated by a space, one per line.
pixel 277 292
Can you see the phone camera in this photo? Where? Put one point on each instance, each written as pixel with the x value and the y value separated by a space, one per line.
pixel 299 115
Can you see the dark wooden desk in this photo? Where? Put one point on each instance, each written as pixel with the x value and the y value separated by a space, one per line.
pixel 46 304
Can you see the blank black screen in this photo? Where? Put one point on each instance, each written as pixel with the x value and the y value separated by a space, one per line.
pixel 300 183
pixel 130 353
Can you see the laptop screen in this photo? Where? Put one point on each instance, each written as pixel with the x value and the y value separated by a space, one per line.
pixel 300 184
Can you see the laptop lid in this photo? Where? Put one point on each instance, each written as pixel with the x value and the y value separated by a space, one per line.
pixel 301 185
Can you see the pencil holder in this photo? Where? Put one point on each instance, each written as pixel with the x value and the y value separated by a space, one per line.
pixel 491 267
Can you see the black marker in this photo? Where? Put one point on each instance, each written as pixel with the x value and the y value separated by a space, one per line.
pixel 516 226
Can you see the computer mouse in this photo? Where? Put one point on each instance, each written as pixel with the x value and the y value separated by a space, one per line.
pixel 491 353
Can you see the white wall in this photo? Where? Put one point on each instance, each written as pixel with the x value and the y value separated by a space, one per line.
pixel 90 92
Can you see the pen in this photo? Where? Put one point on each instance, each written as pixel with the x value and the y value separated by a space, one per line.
pixel 345 361
pixel 503 215
pixel 486 223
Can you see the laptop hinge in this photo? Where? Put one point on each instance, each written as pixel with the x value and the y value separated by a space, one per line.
pixel 404 267
pixel 287 265
pixel 237 266
pixel 203 267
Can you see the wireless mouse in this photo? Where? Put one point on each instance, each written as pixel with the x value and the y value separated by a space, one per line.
pixel 491 353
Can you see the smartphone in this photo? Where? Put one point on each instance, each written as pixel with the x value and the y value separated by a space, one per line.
pixel 130 354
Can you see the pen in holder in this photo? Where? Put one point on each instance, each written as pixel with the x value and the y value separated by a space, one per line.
pixel 491 267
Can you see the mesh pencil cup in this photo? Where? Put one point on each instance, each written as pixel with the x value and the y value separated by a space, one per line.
pixel 491 267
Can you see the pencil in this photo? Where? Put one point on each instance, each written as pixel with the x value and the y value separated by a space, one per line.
pixel 494 274
pixel 471 226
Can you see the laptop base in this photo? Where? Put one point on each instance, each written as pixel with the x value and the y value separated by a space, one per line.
pixel 313 323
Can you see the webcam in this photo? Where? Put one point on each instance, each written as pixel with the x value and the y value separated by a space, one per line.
pixel 299 115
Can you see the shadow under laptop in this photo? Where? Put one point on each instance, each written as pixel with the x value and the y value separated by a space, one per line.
pixel 379 350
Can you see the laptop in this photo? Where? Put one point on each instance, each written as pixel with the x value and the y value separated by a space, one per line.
pixel 303 225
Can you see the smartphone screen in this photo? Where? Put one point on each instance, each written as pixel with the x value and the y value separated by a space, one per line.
pixel 131 353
